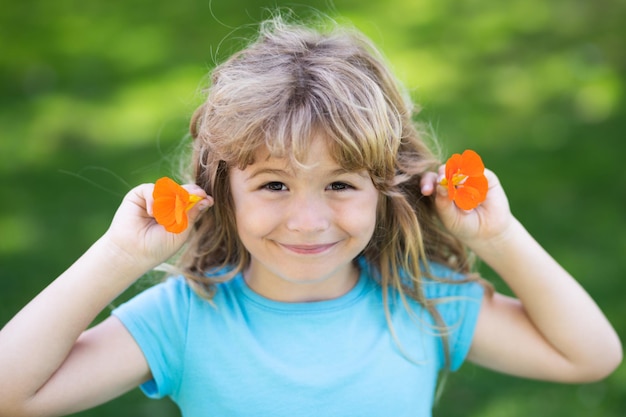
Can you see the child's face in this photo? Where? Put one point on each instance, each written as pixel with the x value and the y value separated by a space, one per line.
pixel 303 225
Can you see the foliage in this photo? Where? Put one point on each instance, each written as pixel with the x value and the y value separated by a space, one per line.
pixel 97 95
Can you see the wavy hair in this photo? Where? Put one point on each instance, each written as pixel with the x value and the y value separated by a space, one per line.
pixel 289 86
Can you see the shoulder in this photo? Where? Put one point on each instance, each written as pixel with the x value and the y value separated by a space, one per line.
pixel 457 300
pixel 446 282
pixel 173 290
pixel 168 299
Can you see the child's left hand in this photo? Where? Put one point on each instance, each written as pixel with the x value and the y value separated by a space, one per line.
pixel 490 220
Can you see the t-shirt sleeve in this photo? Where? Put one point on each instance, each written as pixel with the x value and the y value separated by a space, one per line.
pixel 458 305
pixel 157 319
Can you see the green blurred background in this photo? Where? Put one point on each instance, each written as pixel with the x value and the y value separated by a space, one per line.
pixel 96 98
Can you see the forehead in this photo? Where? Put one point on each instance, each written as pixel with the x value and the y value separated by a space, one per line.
pixel 317 154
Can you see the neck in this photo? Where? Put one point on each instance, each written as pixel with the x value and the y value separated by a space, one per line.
pixel 288 290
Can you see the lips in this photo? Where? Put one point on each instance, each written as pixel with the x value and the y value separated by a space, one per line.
pixel 308 249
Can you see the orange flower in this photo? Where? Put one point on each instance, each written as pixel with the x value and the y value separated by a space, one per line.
pixel 171 202
pixel 465 179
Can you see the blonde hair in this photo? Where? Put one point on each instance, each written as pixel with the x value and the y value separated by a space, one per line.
pixel 289 86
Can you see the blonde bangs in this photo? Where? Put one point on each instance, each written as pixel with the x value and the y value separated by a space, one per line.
pixel 294 85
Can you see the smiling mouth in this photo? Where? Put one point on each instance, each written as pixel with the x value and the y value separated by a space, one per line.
pixel 308 249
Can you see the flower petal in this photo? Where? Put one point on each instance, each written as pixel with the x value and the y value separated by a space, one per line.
pixel 471 164
pixel 179 209
pixel 480 184
pixel 472 193
pixel 453 165
pixel 465 179
pixel 170 205
pixel 163 210
pixel 466 198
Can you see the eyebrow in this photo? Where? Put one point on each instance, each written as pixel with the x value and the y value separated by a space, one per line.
pixel 283 172
pixel 261 171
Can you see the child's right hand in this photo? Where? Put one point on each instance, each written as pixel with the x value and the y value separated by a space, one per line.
pixel 137 235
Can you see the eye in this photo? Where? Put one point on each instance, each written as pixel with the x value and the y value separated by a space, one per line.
pixel 275 186
pixel 339 186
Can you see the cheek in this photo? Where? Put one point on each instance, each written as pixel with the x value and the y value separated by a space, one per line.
pixel 253 217
pixel 360 218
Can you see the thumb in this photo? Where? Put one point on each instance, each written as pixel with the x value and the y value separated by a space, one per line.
pixel 446 208
pixel 199 208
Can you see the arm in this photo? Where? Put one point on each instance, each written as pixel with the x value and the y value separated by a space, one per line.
pixel 552 330
pixel 49 364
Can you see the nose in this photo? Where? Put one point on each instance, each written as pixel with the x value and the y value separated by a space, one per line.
pixel 308 214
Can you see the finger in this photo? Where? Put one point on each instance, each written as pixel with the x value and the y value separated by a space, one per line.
pixel 141 197
pixel 195 189
pixel 442 201
pixel 149 198
pixel 446 209
pixel 428 183
pixel 440 176
pixel 442 191
pixel 206 202
pixel 492 179
pixel 199 208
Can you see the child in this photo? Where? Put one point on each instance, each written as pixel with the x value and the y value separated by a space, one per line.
pixel 326 271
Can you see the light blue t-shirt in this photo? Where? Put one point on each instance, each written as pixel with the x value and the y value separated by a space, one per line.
pixel 250 356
